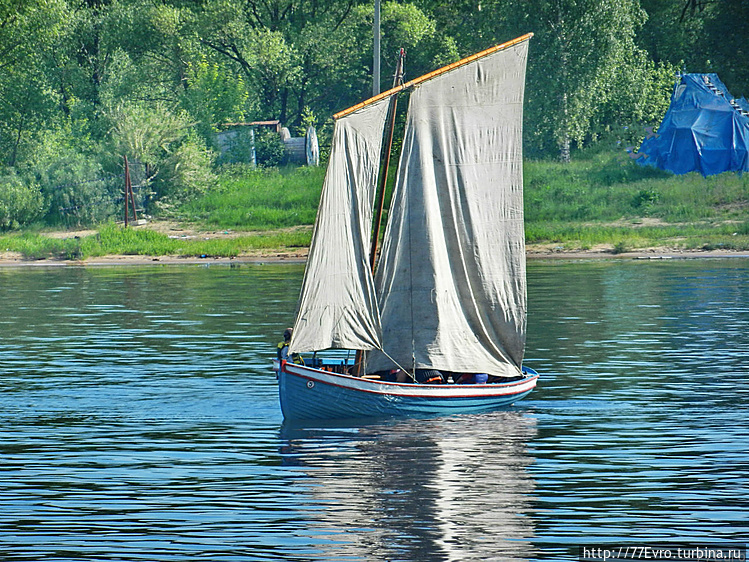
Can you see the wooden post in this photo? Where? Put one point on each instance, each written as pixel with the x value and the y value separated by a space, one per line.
pixel 376 50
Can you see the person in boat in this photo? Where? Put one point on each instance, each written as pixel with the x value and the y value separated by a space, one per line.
pixel 463 378
pixel 394 375
pixel 283 349
pixel 471 378
pixel 429 376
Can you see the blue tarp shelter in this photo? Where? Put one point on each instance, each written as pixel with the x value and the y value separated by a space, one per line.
pixel 705 130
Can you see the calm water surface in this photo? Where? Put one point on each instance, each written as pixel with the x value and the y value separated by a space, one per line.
pixel 139 421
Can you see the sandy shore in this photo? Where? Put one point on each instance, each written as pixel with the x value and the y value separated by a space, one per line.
pixel 10 259
pixel 645 254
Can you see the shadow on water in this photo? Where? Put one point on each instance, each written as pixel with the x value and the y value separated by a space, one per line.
pixel 429 489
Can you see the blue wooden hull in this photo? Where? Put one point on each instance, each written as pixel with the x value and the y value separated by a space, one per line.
pixel 307 393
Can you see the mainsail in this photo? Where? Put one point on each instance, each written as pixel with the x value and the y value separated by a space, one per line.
pixel 451 279
pixel 450 290
pixel 337 306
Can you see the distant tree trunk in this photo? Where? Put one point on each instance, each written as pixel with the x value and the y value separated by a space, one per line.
pixel 16 143
pixel 564 143
pixel 301 100
pixel 284 104
pixel 564 153
pixel 64 104
pixel 91 52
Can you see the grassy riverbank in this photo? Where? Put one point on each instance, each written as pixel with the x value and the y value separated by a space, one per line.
pixel 605 199
pixel 602 201
pixel 145 241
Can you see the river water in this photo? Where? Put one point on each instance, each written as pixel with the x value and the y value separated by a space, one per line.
pixel 139 421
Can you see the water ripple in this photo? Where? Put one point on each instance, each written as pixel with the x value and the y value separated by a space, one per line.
pixel 139 420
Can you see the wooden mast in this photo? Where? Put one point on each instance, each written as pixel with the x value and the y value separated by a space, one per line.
pixel 397 79
pixel 386 163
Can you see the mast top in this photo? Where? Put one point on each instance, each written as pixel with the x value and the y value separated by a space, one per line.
pixel 433 74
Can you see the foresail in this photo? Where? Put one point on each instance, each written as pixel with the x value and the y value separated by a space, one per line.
pixel 337 306
pixel 451 278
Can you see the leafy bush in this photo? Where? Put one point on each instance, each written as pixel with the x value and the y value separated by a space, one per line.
pixel 185 173
pixel 178 164
pixel 645 198
pixel 78 191
pixel 20 203
pixel 269 148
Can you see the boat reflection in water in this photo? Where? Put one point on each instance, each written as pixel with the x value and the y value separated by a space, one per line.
pixel 423 489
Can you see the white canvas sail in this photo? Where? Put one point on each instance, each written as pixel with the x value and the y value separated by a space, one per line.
pixel 451 279
pixel 337 306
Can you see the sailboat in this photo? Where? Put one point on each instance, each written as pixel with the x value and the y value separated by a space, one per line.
pixel 436 325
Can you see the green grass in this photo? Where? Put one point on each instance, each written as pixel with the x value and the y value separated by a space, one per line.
pixel 600 198
pixel 574 205
pixel 115 240
pixel 706 236
pixel 609 186
pixel 259 200
pixel 38 246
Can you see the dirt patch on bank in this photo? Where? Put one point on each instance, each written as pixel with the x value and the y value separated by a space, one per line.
pixel 299 255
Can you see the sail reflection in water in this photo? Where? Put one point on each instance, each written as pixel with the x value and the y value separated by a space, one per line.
pixel 433 489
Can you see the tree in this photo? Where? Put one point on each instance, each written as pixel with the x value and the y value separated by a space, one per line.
pixel 27 96
pixel 408 27
pixel 727 29
pixel 473 25
pixel 177 165
pixel 20 203
pixel 248 37
pixel 579 53
pixel 214 96
pixel 700 36
pixel 300 53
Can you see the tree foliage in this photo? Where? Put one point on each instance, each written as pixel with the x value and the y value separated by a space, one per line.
pixel 20 202
pixel 156 79
pixel 585 60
